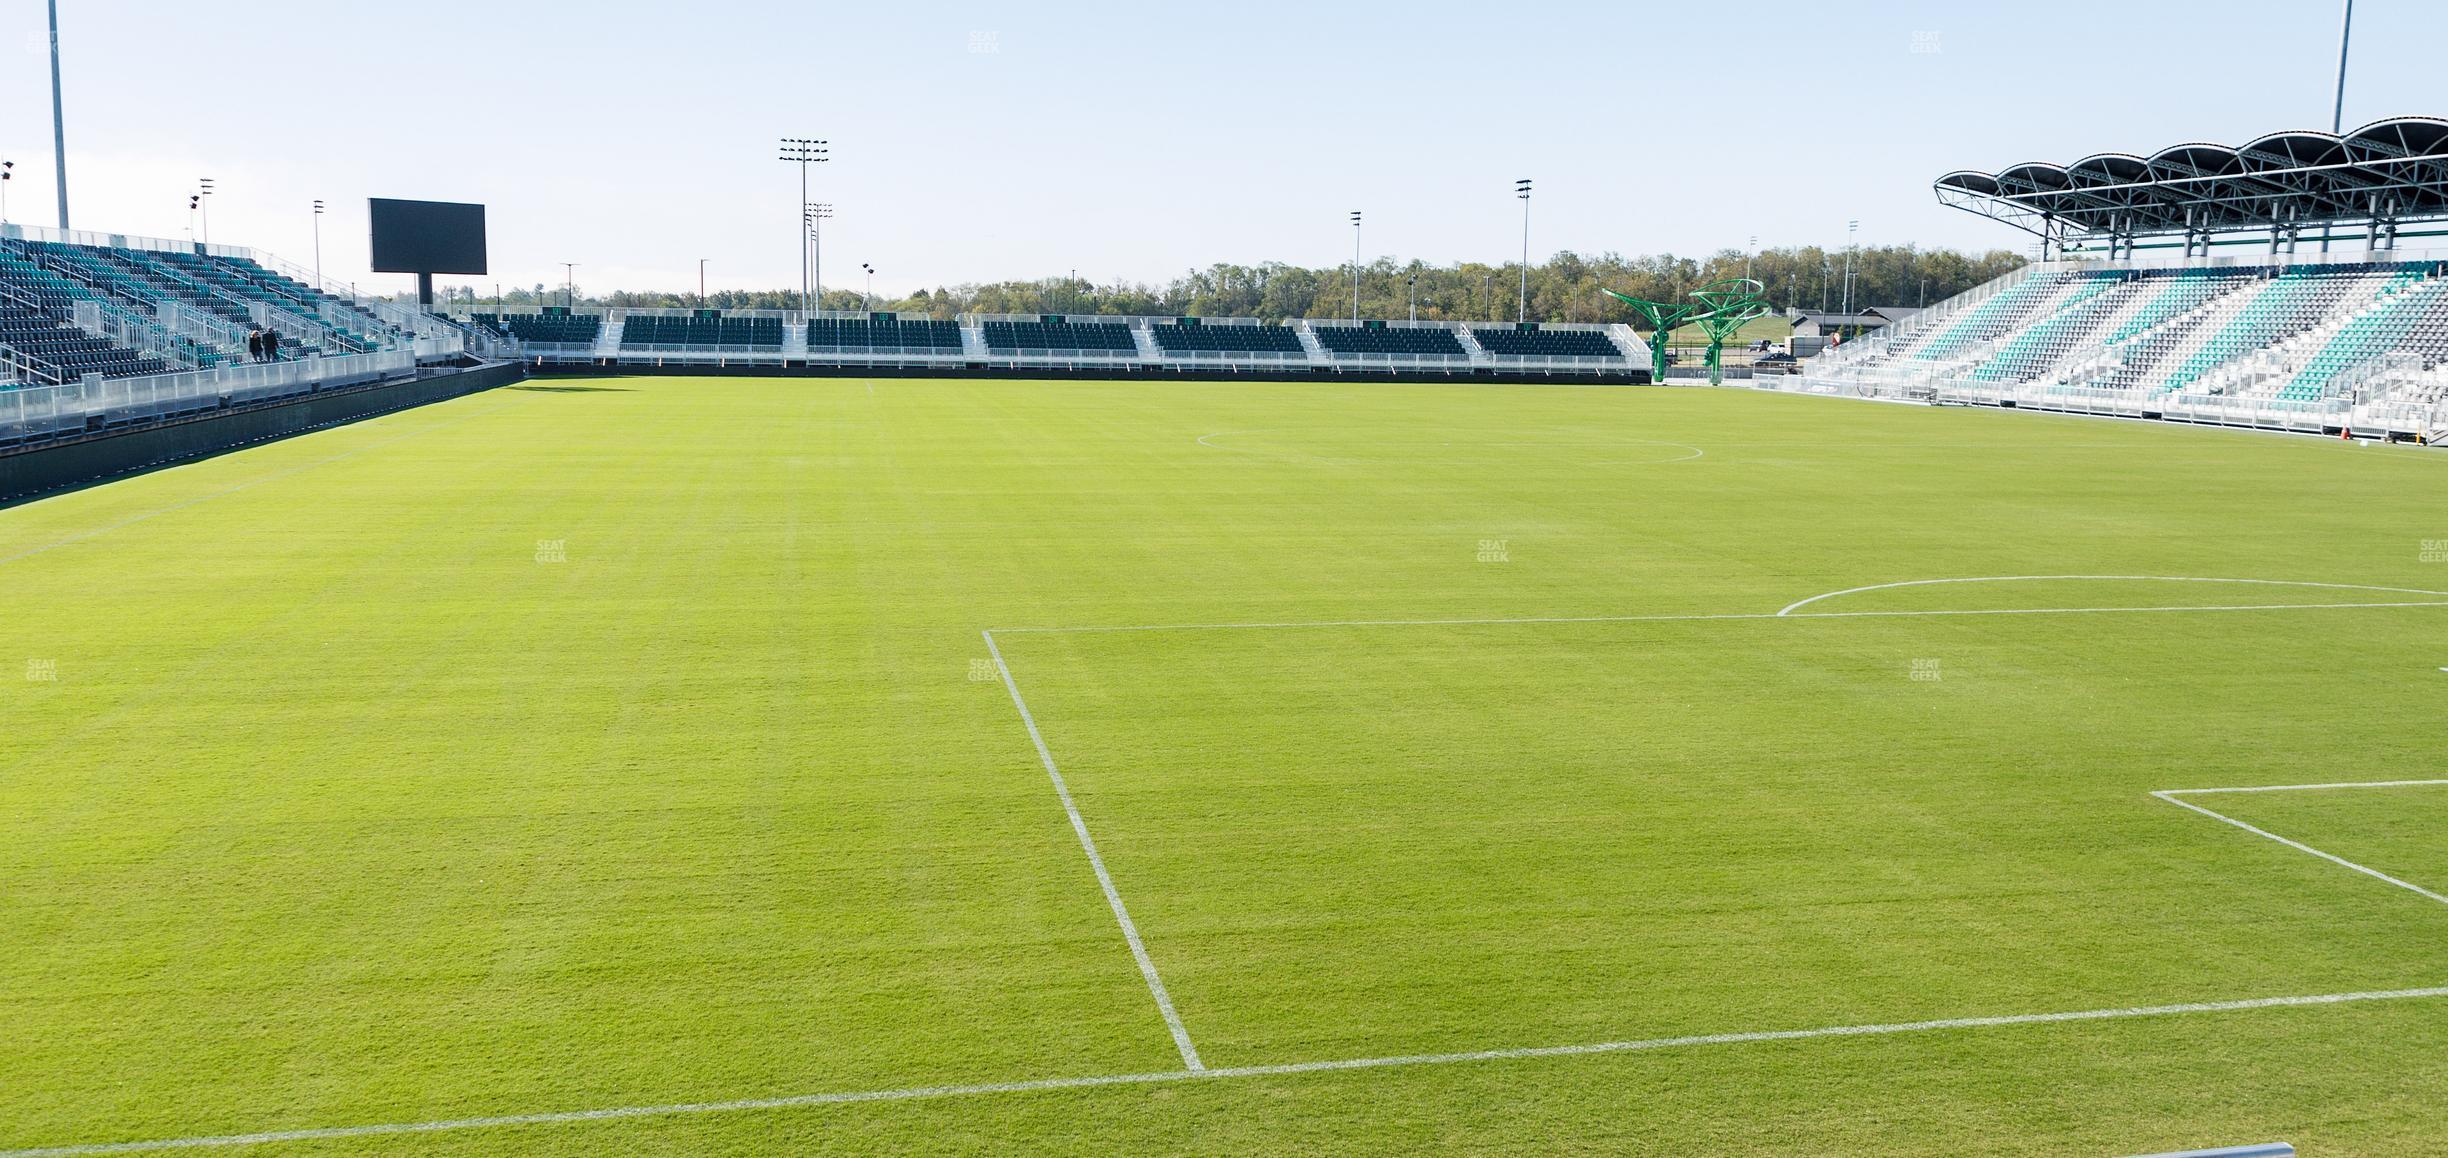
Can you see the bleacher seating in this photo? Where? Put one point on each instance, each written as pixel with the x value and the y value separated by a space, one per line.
pixel 550 329
pixel 1512 342
pixel 2291 335
pixel 1378 341
pixel 1063 336
pixel 876 336
pixel 1178 338
pixel 648 331
pixel 60 351
pixel 1992 318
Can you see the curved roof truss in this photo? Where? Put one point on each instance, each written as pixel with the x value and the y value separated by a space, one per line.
pixel 2383 173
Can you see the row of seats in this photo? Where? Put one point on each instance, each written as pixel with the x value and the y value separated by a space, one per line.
pixel 1991 319
pixel 137 284
pixel 1048 337
pixel 1520 343
pixel 63 351
pixel 1176 338
pixel 1419 342
pixel 551 329
pixel 667 330
pixel 2084 305
pixel 2293 333
pixel 869 335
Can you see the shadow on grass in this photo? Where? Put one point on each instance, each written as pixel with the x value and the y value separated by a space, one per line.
pixel 572 389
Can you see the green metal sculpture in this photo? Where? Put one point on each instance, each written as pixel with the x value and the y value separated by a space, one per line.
pixel 1734 303
pixel 1719 308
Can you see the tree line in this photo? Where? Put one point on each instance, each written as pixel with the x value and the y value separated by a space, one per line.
pixel 1564 288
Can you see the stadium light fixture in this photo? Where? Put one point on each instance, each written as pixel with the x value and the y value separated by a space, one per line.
pixel 701 294
pixel 1850 228
pixel 204 190
pixel 318 234
pixel 805 151
pixel 1521 189
pixel 1748 254
pixel 1355 218
pixel 7 172
pixel 569 284
pixel 1412 283
pixel 869 296
pixel 59 123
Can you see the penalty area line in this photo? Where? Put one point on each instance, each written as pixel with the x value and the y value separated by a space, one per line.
pixel 1284 625
pixel 1225 1073
pixel 2170 795
pixel 1113 896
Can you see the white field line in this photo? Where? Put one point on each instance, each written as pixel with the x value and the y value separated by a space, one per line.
pixel 1793 607
pixel 1536 619
pixel 1113 896
pixel 2170 795
pixel 2299 787
pixel 1223 1073
pixel 275 476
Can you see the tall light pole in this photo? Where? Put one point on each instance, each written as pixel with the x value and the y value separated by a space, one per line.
pixel 1748 255
pixel 318 230
pixel 1850 227
pixel 59 123
pixel 701 294
pixel 817 214
pixel 805 152
pixel 1355 215
pixel 1412 283
pixel 569 285
pixel 869 296
pixel 1521 189
pixel 204 193
pixel 7 172
pixel 2337 118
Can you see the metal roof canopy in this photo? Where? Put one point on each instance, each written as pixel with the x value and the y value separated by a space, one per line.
pixel 2375 178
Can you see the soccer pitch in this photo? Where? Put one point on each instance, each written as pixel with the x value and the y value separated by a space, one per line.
pixel 738 765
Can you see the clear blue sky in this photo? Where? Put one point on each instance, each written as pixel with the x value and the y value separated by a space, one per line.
pixel 977 142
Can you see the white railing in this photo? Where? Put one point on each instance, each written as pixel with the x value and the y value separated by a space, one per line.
pixel 52 411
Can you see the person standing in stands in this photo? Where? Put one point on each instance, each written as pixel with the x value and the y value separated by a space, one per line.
pixel 255 345
pixel 271 345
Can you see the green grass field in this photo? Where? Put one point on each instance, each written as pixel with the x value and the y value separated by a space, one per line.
pixel 633 744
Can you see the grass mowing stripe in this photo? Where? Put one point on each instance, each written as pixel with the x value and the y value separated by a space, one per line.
pixel 1524 1053
pixel 275 476
pixel 1113 896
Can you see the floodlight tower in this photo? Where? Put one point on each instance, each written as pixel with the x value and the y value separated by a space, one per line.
pixel 2337 117
pixel 1355 218
pixel 569 284
pixel 318 234
pixel 203 205
pixel 6 173
pixel 869 296
pixel 59 123
pixel 1521 189
pixel 817 214
pixel 1412 283
pixel 805 151
pixel 1850 227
